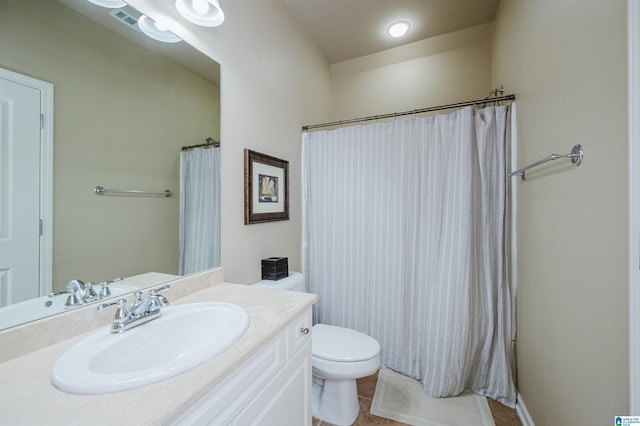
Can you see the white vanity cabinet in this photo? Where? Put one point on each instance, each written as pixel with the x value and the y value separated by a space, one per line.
pixel 273 387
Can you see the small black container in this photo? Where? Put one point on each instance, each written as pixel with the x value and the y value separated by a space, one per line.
pixel 275 268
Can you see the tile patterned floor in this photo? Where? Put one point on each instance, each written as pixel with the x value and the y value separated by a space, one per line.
pixel 502 415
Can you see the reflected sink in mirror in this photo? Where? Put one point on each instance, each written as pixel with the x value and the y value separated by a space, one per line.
pixel 183 337
pixel 44 306
pixel 123 108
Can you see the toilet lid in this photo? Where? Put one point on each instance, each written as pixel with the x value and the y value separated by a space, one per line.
pixel 334 343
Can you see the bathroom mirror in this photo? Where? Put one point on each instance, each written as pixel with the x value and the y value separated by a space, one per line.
pixel 124 105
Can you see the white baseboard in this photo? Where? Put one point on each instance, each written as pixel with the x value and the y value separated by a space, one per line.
pixel 523 413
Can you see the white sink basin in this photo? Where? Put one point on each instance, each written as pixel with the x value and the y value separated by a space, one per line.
pixel 183 337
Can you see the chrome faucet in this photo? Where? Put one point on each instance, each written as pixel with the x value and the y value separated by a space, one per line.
pixel 141 311
pixel 90 293
pixel 81 293
pixel 75 288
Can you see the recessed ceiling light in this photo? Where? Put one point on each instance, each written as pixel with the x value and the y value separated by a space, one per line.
pixel 156 30
pixel 398 29
pixel 206 13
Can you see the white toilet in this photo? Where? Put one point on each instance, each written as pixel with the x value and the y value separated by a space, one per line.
pixel 339 357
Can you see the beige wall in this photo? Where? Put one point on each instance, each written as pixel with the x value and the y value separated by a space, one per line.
pixel 567 63
pixel 449 68
pixel 121 115
pixel 274 80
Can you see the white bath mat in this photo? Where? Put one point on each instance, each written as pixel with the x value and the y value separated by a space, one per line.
pixel 400 398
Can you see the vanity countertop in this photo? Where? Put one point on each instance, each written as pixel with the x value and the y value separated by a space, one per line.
pixel 27 396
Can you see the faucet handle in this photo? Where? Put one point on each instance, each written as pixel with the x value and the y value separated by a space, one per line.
pixel 105 291
pixel 161 299
pixel 121 308
pixel 154 291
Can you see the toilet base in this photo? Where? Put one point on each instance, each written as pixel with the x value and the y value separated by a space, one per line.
pixel 335 401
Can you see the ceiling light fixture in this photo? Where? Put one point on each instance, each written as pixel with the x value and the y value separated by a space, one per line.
pixel 112 4
pixel 398 29
pixel 157 30
pixel 206 13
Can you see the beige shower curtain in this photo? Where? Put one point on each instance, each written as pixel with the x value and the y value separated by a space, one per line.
pixel 199 245
pixel 405 238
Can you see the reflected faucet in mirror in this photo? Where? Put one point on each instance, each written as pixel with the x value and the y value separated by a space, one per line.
pixel 80 293
pixel 55 303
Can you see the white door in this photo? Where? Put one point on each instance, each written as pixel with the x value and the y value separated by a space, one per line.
pixel 20 118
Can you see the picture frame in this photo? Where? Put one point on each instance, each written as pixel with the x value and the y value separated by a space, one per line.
pixel 266 188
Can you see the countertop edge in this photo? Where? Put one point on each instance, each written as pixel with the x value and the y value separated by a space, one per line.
pixel 27 378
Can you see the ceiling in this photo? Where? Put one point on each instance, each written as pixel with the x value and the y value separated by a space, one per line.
pixel 347 29
pixel 181 53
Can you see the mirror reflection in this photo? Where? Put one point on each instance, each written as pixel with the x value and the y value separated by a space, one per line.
pixel 124 105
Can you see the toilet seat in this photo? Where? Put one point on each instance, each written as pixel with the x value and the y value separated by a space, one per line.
pixel 340 356
pixel 339 344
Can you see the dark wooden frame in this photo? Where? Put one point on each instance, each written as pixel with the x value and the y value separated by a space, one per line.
pixel 250 215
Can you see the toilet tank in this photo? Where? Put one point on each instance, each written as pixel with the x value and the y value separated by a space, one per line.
pixel 294 282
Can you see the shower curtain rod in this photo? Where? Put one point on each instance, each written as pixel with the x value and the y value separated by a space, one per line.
pixel 415 111
pixel 209 142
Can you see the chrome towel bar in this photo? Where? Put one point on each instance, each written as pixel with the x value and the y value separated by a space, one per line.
pixel 101 191
pixel 576 156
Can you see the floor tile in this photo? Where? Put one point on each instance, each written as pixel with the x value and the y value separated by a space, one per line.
pixel 502 415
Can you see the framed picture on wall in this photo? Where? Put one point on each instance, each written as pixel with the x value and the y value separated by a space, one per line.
pixel 266 188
